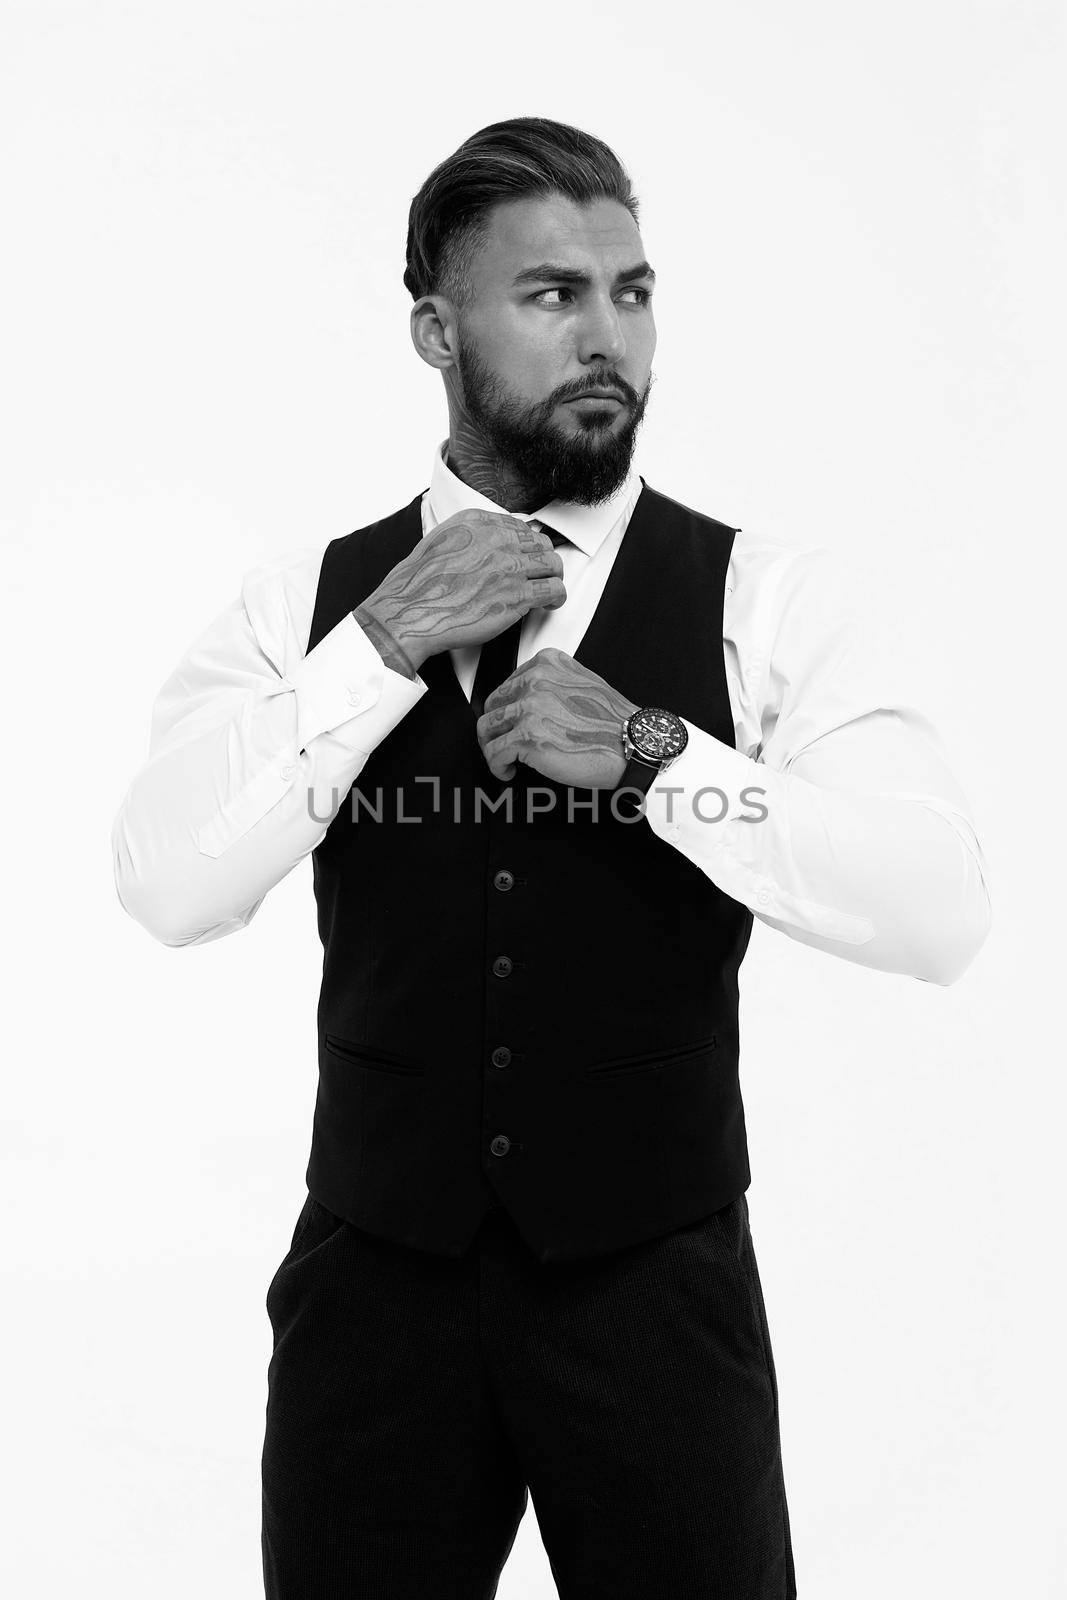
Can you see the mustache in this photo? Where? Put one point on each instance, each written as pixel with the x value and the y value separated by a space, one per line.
pixel 584 386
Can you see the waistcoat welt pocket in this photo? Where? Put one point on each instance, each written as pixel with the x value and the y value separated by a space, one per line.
pixel 656 1058
pixel 371 1055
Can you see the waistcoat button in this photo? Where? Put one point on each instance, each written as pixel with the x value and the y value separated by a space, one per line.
pixel 500 1145
pixel 502 966
pixel 501 1056
pixel 504 880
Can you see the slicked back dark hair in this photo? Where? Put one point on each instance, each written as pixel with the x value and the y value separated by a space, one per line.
pixel 448 218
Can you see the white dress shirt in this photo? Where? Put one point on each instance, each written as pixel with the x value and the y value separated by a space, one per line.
pixel 867 849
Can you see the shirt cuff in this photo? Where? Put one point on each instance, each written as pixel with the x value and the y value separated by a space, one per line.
pixel 730 816
pixel 344 687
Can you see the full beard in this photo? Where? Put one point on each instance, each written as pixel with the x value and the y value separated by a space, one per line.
pixel 584 468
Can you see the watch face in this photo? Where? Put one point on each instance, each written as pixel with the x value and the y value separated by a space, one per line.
pixel 657 734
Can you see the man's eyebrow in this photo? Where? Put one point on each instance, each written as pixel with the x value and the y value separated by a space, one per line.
pixel 549 272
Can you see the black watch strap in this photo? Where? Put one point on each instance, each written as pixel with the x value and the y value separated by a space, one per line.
pixel 640 774
pixel 637 774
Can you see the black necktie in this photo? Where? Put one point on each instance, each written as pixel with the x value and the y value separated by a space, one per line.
pixel 499 655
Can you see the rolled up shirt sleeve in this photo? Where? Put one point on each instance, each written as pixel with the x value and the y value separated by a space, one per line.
pixel 841 824
pixel 254 743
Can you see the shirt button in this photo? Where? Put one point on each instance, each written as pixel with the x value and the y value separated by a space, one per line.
pixel 502 966
pixel 763 897
pixel 501 1056
pixel 354 697
pixel 504 880
pixel 674 834
pixel 287 772
pixel 500 1145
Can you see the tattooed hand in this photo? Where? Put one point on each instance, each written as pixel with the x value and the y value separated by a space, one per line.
pixel 559 718
pixel 476 574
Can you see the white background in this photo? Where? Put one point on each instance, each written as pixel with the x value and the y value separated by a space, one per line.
pixel 859 230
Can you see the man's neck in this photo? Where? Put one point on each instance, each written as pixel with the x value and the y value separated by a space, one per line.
pixel 474 461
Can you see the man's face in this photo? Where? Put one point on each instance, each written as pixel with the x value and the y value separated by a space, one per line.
pixel 561 305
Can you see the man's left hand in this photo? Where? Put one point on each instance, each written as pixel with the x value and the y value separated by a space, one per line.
pixel 556 716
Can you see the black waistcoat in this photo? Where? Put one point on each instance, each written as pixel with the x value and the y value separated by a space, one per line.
pixel 589 1081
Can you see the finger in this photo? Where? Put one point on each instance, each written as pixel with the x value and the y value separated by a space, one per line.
pixel 497 719
pixel 502 753
pixel 531 536
pixel 504 773
pixel 496 519
pixel 543 563
pixel 505 694
pixel 548 592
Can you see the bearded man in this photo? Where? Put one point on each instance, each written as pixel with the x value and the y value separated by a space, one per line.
pixel 552 740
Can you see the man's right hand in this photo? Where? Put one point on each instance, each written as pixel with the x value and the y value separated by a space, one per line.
pixel 468 580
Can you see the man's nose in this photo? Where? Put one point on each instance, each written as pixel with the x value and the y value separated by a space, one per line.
pixel 600 336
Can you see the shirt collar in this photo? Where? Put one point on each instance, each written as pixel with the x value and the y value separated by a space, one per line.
pixel 585 526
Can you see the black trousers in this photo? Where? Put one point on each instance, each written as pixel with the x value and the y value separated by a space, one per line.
pixel 413 1400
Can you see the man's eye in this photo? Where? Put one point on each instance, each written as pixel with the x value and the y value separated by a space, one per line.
pixel 643 296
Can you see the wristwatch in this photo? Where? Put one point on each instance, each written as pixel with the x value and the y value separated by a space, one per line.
pixel 651 739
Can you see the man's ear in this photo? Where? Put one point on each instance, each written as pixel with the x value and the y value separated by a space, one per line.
pixel 433 330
